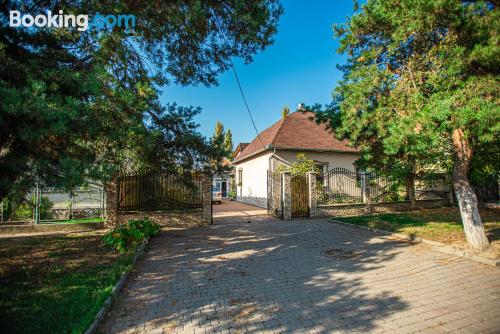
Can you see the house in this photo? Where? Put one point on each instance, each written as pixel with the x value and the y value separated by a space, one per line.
pixel 279 145
pixel 222 183
pixel 239 149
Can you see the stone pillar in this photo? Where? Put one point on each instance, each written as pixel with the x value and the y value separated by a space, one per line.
pixel 313 196
pixel 365 190
pixel 286 195
pixel 111 204
pixel 207 198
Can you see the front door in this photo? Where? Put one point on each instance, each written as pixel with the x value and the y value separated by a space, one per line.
pixel 224 189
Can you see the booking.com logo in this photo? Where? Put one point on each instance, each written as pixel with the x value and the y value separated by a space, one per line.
pixel 61 20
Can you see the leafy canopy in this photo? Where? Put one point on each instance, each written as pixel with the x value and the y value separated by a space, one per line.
pixel 417 70
pixel 77 105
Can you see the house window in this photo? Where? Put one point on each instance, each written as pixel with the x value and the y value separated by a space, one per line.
pixel 321 167
pixel 240 177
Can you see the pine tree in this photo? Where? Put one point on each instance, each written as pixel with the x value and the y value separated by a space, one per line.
pixel 228 142
pixel 421 85
pixel 79 104
pixel 219 133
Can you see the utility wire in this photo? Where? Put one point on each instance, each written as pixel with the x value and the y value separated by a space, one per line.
pixel 238 81
pixel 245 101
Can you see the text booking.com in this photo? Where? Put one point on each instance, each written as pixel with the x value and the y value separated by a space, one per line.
pixel 80 22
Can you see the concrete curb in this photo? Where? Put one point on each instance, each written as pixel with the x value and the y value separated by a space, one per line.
pixel 438 246
pixel 114 293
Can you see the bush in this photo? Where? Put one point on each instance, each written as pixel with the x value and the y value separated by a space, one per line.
pixel 25 210
pixel 131 234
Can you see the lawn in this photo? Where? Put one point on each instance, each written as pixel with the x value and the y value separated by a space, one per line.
pixel 74 221
pixel 443 225
pixel 56 283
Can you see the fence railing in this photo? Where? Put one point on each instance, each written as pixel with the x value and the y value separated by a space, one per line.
pixel 159 192
pixel 53 205
pixel 274 194
pixel 339 185
pixel 342 186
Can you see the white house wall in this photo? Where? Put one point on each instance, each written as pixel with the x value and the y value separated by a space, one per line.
pixel 253 188
pixel 333 159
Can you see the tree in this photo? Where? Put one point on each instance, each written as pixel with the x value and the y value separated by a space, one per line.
pixel 301 166
pixel 218 149
pixel 421 84
pixel 219 132
pixel 222 141
pixel 228 142
pixel 78 104
pixel 285 111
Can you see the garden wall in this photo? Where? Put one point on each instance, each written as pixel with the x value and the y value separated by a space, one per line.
pixel 361 209
pixel 168 219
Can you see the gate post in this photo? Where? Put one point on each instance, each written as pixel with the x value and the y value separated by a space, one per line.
pixel 312 198
pixel 365 189
pixel 287 195
pixel 111 204
pixel 207 198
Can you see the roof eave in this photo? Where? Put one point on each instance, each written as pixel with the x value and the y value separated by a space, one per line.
pixel 317 149
pixel 294 149
pixel 250 155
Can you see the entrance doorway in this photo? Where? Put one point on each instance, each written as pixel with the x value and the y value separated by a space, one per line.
pixel 224 189
pixel 220 188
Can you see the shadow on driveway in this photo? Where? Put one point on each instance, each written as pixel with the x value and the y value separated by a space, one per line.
pixel 274 276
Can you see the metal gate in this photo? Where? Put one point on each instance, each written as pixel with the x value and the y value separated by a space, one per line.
pixel 274 195
pixel 159 192
pixel 300 194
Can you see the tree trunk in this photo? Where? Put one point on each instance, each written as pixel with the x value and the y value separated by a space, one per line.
pixel 410 190
pixel 467 200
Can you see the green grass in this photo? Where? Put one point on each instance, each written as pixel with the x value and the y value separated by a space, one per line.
pixel 55 284
pixel 74 221
pixel 443 225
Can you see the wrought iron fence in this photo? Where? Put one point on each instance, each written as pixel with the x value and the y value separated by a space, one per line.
pixel 159 192
pixel 342 186
pixel 384 188
pixel 274 194
pixel 339 185
pixel 434 186
pixel 38 205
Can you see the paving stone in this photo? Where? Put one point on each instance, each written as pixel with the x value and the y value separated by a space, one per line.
pixel 293 277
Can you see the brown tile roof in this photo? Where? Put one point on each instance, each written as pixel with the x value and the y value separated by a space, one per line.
pixel 296 131
pixel 240 148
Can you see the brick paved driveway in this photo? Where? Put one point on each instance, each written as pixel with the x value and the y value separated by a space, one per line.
pixel 229 208
pixel 302 276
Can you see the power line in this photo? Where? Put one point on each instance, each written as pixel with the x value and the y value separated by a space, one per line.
pixel 217 23
pixel 245 101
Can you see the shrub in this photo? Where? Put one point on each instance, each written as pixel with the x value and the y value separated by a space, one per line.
pixel 131 234
pixel 26 209
pixel 146 226
pixel 300 166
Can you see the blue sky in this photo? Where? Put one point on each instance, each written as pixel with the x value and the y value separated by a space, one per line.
pixel 299 67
